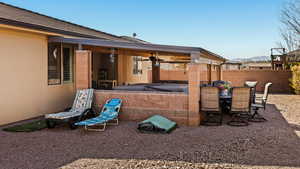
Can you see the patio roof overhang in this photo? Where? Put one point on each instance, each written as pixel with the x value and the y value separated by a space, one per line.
pixel 141 47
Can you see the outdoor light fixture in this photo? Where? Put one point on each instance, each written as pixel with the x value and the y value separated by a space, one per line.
pixel 156 60
pixel 151 58
pixel 55 53
pixel 112 60
pixel 112 55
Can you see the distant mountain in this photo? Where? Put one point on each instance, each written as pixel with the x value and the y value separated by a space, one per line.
pixel 253 59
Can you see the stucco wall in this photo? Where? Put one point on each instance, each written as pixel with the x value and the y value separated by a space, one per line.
pixel 173 75
pixel 125 70
pixel 23 70
pixel 141 105
pixel 180 75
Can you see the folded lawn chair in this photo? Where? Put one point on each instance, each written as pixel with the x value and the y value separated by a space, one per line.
pixel 108 115
pixel 81 107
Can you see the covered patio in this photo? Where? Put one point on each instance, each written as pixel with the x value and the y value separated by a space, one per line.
pixel 101 62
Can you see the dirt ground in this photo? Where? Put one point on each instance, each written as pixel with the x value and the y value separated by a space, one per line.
pixel 273 144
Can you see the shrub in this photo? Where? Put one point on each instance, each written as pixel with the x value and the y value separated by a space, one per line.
pixel 295 80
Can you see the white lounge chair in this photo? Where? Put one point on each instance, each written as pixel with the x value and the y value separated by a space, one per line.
pixel 81 107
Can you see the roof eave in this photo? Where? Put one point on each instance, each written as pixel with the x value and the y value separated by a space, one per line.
pixel 124 45
pixel 43 28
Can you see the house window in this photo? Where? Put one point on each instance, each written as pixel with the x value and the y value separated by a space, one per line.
pixel 54 63
pixel 60 64
pixel 67 64
pixel 137 65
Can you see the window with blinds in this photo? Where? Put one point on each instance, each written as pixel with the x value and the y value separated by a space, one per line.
pixel 54 63
pixel 67 65
pixel 60 63
pixel 137 65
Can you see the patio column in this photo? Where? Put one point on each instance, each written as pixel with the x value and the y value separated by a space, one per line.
pixel 194 94
pixel 209 73
pixel 155 72
pixel 219 71
pixel 83 69
pixel 121 67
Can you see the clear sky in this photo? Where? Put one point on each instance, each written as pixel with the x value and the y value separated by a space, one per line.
pixel 231 28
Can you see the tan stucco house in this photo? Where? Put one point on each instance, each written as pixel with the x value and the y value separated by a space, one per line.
pixel 43 60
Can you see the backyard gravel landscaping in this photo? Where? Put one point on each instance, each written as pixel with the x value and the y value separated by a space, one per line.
pixel 273 144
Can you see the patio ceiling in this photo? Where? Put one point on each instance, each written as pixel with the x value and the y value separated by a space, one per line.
pixel 139 46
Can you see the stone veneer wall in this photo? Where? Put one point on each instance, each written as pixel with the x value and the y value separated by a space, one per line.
pixel 138 106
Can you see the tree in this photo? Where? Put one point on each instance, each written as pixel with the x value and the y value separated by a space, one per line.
pixel 290 18
pixel 295 80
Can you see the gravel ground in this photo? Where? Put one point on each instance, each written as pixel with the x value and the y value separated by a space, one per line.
pixel 274 144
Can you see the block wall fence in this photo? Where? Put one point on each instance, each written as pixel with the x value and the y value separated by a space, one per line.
pixel 280 79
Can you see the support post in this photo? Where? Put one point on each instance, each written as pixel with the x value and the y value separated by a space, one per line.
pixel 219 71
pixel 121 64
pixel 155 72
pixel 194 94
pixel 83 69
pixel 209 73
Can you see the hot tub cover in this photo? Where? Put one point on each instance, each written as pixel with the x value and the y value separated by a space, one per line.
pixel 157 124
pixel 163 87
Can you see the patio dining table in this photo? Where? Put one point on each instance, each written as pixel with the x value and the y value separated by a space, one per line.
pixel 225 97
pixel 225 101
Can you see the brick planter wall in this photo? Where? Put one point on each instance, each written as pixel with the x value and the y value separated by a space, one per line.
pixel 138 106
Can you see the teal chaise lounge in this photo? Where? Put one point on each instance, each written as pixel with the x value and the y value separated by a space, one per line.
pixel 109 115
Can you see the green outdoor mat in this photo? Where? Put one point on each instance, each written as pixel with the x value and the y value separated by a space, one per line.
pixel 156 124
pixel 27 127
